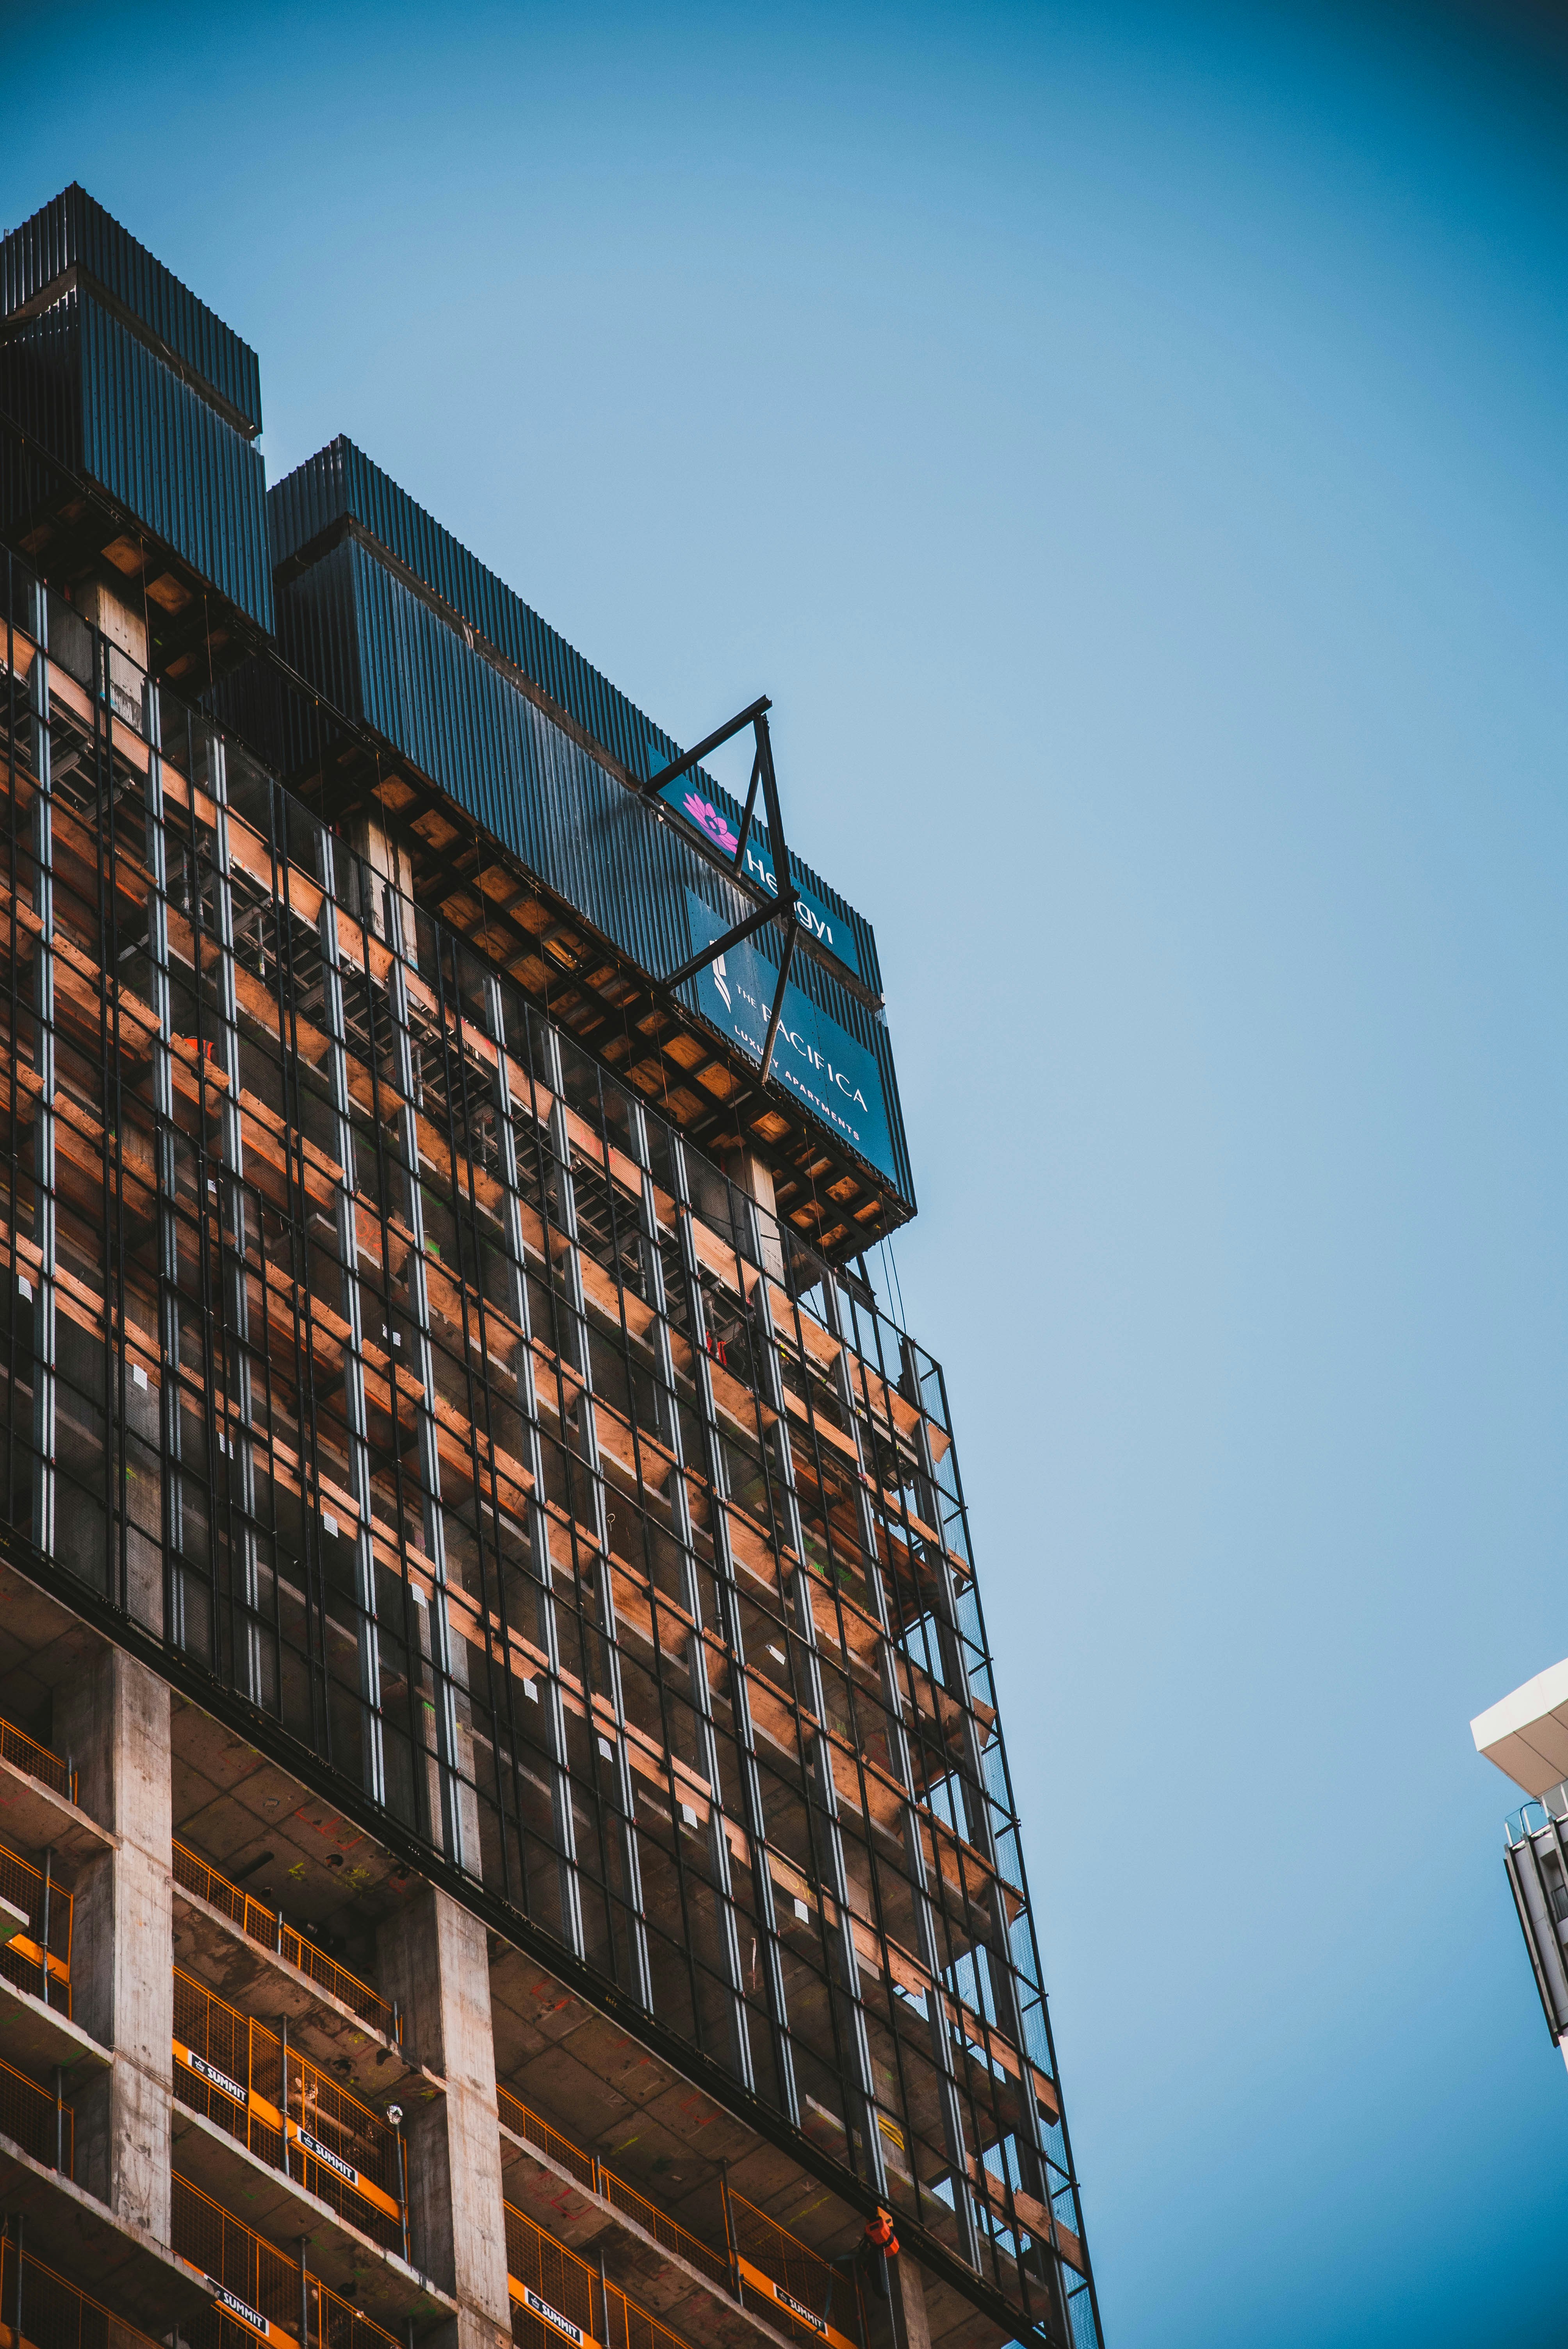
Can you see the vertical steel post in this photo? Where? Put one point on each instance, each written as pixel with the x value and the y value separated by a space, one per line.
pixel 549 1628
pixel 1030 2140
pixel 898 1746
pixel 696 1650
pixel 238 1448
pixel 588 1435
pixel 729 1590
pixel 284 2091
pixel 731 2242
pixel 348 1233
pixel 49 1902
pixel 165 1164
pixel 405 1130
pixel 45 1400
pixel 827 1790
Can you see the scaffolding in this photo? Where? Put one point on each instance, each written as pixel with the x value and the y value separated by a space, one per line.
pixel 395 1365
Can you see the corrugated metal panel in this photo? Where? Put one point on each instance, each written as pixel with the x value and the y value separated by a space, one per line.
pixel 74 232
pixel 40 387
pixel 81 384
pixel 158 448
pixel 340 480
pixel 377 650
pixel 568 819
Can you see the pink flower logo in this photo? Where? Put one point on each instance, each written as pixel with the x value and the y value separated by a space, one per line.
pixel 706 818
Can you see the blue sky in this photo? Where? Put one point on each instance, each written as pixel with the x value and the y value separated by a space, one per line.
pixel 1128 445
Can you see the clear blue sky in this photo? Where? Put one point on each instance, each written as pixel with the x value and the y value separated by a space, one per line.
pixel 1129 445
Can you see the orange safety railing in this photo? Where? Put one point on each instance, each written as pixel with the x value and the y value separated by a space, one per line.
pixel 26 1752
pixel 793 2282
pixel 589 2171
pixel 246 2078
pixel 529 2125
pixel 600 2181
pixel 556 2295
pixel 38 1959
pixel 799 2287
pixel 264 2295
pixel 40 2310
pixel 193 1874
pixel 666 2231
pixel 38 2121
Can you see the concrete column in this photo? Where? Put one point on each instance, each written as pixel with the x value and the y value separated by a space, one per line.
pixel 115 1722
pixel 111 610
pixel 909 2291
pixel 434 1960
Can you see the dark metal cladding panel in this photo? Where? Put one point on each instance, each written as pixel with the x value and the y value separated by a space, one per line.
pixel 378 651
pixel 74 232
pixel 340 480
pixel 317 637
pixel 159 448
pixel 457 719
pixel 40 387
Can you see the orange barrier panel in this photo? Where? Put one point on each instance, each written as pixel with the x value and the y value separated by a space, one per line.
pixel 797 2284
pixel 794 2282
pixel 40 1959
pixel 239 2075
pixel 260 2289
pixel 556 2297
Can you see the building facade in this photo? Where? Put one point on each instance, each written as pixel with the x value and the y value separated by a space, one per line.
pixel 504 1827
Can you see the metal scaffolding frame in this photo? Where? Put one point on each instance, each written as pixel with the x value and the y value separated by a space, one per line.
pixel 624 1574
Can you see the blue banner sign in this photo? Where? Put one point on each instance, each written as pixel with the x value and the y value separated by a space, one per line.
pixel 687 798
pixel 836 1076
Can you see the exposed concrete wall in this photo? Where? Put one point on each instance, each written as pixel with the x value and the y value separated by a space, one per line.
pixel 387 858
pixel 115 1722
pixel 435 1961
pixel 752 1175
pixel 120 613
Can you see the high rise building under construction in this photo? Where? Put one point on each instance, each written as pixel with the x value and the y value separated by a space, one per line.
pixel 505 1833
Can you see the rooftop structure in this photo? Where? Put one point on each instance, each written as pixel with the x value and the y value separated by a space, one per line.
pixel 505 1832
